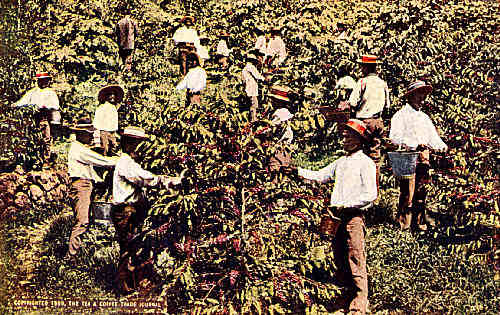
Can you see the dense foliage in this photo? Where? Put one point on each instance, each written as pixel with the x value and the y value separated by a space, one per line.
pixel 240 237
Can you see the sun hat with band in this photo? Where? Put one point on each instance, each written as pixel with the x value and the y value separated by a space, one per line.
pixel 358 127
pixel 186 18
pixel 134 132
pixel 83 125
pixel 42 75
pixel 418 86
pixel 369 59
pixel 105 91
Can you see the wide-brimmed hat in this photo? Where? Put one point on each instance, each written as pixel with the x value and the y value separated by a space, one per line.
pixel 82 125
pixel 359 127
pixel 281 93
pixel 134 132
pixel 105 91
pixel 42 75
pixel 186 18
pixel 276 29
pixel 419 86
pixel 224 34
pixel 369 59
pixel 281 115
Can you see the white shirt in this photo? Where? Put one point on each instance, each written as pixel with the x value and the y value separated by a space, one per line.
pixel 186 35
pixel 370 95
pixel 81 162
pixel 222 48
pixel 412 128
pixel 106 117
pixel 41 98
pixel 202 51
pixel 128 178
pixel 276 46
pixel 345 83
pixel 355 180
pixel 249 74
pixel 261 44
pixel 195 80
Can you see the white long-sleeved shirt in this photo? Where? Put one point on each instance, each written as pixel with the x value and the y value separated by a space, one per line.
pixel 81 162
pixel 195 80
pixel 222 48
pixel 186 35
pixel 42 98
pixel 202 51
pixel 355 180
pixel 412 128
pixel 276 46
pixel 370 95
pixel 261 44
pixel 249 74
pixel 128 179
pixel 106 117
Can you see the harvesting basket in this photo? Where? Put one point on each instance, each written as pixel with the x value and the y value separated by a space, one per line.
pixel 329 225
pixel 331 114
pixel 403 163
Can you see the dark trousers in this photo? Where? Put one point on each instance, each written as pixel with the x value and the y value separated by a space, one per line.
pixel 127 220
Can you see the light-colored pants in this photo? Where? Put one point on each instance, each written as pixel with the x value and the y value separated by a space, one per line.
pixel 253 107
pixel 108 142
pixel 80 194
pixel 44 126
pixel 350 259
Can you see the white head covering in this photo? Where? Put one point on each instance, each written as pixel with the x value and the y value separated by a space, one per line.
pixel 281 115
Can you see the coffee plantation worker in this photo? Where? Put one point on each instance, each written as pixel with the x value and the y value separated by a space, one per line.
pixel 223 51
pixel 202 50
pixel 186 38
pixel 282 158
pixel 413 130
pixel 368 99
pixel 261 41
pixel 354 191
pixel 106 116
pixel 276 49
pixel 130 206
pixel 126 33
pixel 194 82
pixel 250 74
pixel 45 100
pixel 81 162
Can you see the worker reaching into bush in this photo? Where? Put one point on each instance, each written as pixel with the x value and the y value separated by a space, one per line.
pixel 106 117
pixel 276 49
pixel 186 38
pixel 81 162
pixel 126 33
pixel 46 103
pixel 368 99
pixel 413 130
pixel 195 80
pixel 130 207
pixel 250 74
pixel 282 157
pixel 353 194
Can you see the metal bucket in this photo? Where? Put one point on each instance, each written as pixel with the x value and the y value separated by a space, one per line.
pixel 55 117
pixel 403 163
pixel 101 212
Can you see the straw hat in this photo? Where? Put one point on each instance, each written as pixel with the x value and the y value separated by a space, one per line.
pixel 369 59
pixel 419 86
pixel 82 125
pixel 134 132
pixel 224 34
pixel 281 93
pixel 105 91
pixel 359 127
pixel 42 75
pixel 188 18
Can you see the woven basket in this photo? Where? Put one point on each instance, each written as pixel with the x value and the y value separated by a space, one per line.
pixel 331 114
